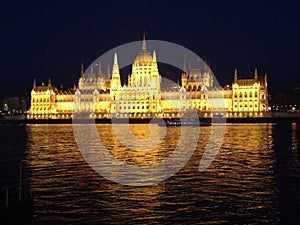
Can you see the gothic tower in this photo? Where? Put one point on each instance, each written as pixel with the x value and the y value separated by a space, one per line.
pixel 115 82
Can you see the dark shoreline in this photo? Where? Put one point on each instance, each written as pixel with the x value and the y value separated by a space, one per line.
pixel 147 120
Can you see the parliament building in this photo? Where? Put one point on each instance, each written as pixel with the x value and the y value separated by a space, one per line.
pixel 99 95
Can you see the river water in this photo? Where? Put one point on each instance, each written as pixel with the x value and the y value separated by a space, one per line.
pixel 254 179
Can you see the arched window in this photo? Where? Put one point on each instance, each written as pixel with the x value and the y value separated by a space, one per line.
pixel 245 95
pixel 241 95
pixel 250 95
pixel 255 95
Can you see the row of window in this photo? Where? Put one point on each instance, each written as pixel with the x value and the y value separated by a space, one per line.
pixel 172 97
pixel 40 109
pixel 246 95
pixel 143 72
pixel 40 99
pixel 134 103
pixel 136 107
pixel 47 100
pixel 245 106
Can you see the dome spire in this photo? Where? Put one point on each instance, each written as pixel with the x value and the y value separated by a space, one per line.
pixel 144 47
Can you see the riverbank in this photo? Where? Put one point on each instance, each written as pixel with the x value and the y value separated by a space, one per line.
pixel 148 120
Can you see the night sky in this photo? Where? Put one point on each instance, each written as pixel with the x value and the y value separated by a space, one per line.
pixel 52 39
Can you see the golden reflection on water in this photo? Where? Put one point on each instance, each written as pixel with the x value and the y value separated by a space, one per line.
pixel 123 152
pixel 294 141
pixel 127 153
pixel 239 182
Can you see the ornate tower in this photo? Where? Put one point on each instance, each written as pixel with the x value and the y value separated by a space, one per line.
pixel 115 82
pixel 207 77
pixel 144 70
pixel 235 76
pixel 49 83
pixel 81 79
pixel 101 78
pixel 34 84
pixel 255 74
pixel 184 76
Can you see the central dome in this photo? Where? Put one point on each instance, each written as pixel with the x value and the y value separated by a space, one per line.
pixel 144 56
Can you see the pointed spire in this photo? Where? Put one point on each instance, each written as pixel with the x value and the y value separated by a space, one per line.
pixel 115 71
pixel 154 57
pixel 34 83
pixel 92 70
pixel 144 47
pixel 74 87
pixel 235 75
pixel 205 65
pixel 49 82
pixel 81 70
pixel 99 68
pixel 255 73
pixel 184 66
pixel 115 59
pixel 108 71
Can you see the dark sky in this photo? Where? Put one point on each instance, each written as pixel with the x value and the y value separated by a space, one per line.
pixel 51 39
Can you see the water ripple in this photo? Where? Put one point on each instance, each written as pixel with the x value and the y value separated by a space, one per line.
pixel 251 181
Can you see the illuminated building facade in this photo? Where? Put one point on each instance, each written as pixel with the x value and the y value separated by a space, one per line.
pixel 249 96
pixel 144 96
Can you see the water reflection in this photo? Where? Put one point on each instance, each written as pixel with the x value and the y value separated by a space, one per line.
pixel 294 141
pixel 246 183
